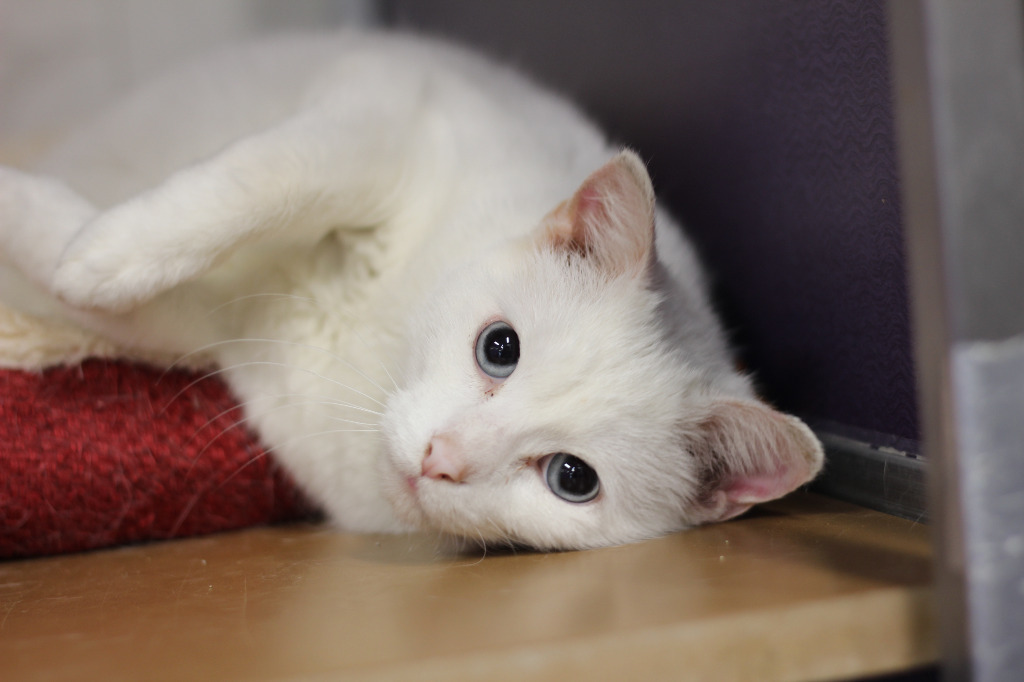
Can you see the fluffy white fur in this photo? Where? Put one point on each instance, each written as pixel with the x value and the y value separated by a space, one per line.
pixel 333 220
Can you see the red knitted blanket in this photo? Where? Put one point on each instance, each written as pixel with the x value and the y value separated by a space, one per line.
pixel 108 453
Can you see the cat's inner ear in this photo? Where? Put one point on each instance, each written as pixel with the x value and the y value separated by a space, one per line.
pixel 610 218
pixel 753 454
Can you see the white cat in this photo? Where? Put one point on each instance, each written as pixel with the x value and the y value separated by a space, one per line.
pixel 445 301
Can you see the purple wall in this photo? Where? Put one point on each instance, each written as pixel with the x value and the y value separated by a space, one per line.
pixel 768 128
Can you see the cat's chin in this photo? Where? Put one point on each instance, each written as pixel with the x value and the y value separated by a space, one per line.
pixel 402 493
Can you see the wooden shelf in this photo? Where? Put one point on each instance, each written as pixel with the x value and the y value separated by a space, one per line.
pixel 808 588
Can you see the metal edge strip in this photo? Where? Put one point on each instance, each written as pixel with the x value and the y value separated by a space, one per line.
pixel 879 478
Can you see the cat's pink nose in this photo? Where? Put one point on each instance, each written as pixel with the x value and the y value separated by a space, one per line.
pixel 442 460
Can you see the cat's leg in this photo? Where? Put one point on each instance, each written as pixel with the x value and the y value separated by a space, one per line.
pixel 39 216
pixel 336 167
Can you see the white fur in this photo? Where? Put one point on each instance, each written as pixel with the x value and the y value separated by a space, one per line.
pixel 332 220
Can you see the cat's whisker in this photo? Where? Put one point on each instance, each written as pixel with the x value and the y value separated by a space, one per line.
pixel 284 342
pixel 326 309
pixel 186 510
pixel 388 374
pixel 267 294
pixel 276 408
pixel 189 386
pixel 305 436
pixel 271 450
pixel 265 452
pixel 351 421
pixel 215 418
pixel 483 549
pixel 380 362
pixel 251 416
pixel 318 398
pixel 248 407
pixel 269 363
pixel 245 465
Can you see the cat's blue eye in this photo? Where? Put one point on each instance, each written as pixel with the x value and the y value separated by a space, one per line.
pixel 497 350
pixel 571 478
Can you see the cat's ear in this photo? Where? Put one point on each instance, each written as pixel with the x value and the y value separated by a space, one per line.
pixel 610 218
pixel 754 454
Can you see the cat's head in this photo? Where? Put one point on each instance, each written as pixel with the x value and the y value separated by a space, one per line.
pixel 549 403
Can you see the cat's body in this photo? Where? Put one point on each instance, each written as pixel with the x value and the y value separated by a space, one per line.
pixel 428 281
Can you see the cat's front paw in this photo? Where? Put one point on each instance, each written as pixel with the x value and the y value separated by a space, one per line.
pixel 114 264
pixel 103 280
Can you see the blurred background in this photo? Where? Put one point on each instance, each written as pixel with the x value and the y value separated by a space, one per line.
pixel 61 60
